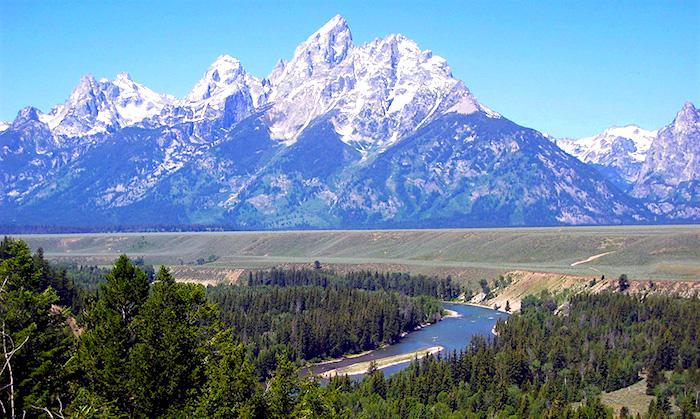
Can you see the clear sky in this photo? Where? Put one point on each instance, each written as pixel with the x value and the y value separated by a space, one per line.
pixel 569 68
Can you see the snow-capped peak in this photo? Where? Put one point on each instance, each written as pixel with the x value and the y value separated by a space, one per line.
pixel 687 117
pixel 335 24
pixel 620 149
pixel 4 125
pixel 86 87
pixel 224 84
pixel 99 106
pixel 323 50
pixel 277 71
pixel 26 115
pixel 329 45
pixel 630 140
pixel 224 75
pixel 375 93
pixel 80 114
pixel 133 101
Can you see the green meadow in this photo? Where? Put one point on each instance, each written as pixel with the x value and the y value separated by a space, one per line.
pixel 641 252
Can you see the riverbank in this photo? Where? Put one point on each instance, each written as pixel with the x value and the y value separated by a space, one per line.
pixel 501 309
pixel 449 313
pixel 461 322
pixel 446 313
pixel 361 367
pixel 344 357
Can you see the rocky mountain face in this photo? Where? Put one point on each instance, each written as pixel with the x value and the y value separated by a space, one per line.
pixel 669 179
pixel 339 136
pixel 103 106
pixel 660 168
pixel 618 152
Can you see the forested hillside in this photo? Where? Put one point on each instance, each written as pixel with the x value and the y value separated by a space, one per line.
pixel 405 283
pixel 157 348
pixel 542 361
pixel 312 322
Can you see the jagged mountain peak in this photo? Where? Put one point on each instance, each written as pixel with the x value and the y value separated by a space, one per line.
pixel 225 60
pixel 336 23
pixel 133 101
pixel 226 91
pixel 277 71
pixel 687 117
pixel 25 115
pixel 104 105
pixel 86 84
pixel 688 107
pixel 374 94
pixel 617 151
pixel 123 76
pixel 670 176
pixel 326 47
pixel 398 39
pixel 219 79
pixel 335 33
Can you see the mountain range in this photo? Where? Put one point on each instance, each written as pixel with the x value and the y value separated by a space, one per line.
pixel 379 135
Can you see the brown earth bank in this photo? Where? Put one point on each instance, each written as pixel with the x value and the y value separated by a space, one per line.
pixel 525 283
pixel 206 276
pixel 521 283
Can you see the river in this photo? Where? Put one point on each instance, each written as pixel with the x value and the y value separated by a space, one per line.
pixel 452 333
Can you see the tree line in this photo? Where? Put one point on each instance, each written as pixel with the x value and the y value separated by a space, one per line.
pixel 412 285
pixel 545 359
pixel 316 322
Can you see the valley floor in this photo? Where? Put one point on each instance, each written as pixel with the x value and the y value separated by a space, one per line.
pixel 641 252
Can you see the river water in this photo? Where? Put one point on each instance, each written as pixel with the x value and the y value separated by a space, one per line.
pixel 452 333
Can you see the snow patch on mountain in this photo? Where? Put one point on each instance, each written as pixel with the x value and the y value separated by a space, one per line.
pixel 133 101
pixel 377 93
pixel 100 106
pixel 630 140
pixel 225 78
pixel 618 149
pixel 670 175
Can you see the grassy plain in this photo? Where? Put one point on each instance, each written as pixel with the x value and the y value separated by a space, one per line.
pixel 634 397
pixel 642 252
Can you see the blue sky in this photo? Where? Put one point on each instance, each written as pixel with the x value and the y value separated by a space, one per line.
pixel 569 68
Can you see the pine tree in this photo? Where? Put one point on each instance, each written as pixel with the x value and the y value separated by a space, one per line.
pixel 231 389
pixel 169 329
pixel 34 342
pixel 312 402
pixel 283 389
pixel 126 288
pixel 687 406
pixel 104 348
pixel 374 380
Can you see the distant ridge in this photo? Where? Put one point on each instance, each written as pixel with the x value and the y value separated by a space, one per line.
pixel 379 135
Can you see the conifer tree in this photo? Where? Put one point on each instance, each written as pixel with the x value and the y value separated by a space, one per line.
pixel 35 343
pixel 104 348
